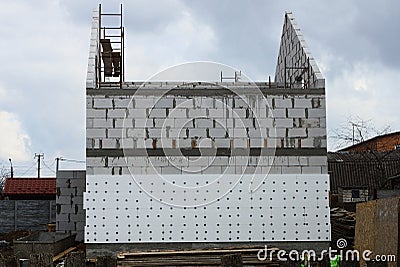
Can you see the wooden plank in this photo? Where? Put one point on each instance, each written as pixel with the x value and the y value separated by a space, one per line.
pixel 116 61
pixel 232 260
pixel 198 257
pixel 190 252
pixel 106 44
pixel 387 228
pixel 62 254
pixel 365 227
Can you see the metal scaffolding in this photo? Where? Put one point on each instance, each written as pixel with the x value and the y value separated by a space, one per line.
pixel 110 68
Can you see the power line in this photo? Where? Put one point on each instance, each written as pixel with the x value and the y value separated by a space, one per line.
pixel 21 166
pixel 52 162
pixel 73 160
pixel 44 163
pixel 28 169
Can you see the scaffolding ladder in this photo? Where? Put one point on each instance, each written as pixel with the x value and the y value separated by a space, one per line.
pixel 110 58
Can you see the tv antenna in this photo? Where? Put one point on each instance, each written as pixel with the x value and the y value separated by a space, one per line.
pixel 236 78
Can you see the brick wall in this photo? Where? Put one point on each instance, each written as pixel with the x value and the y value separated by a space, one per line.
pixel 379 144
pixel 388 143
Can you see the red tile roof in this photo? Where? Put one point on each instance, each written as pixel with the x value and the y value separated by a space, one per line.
pixel 30 186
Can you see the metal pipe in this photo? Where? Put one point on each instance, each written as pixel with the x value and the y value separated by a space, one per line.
pixel 308 72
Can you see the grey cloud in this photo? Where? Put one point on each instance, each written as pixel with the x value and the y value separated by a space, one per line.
pixel 45 45
pixel 378 25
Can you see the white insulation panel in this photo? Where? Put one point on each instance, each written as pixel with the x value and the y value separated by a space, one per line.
pixel 206 208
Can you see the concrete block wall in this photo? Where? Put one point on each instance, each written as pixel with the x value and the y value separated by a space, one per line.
pixel 209 165
pixel 129 133
pixel 346 195
pixel 282 121
pixel 70 215
pixel 294 51
pixel 281 132
pixel 94 46
pixel 32 215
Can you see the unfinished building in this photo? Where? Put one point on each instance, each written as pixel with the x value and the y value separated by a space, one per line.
pixel 194 164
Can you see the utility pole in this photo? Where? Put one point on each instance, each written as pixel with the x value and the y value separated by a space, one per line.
pixel 38 156
pixel 12 168
pixel 57 164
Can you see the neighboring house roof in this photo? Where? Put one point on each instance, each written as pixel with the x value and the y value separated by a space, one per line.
pixel 362 169
pixel 370 144
pixel 30 186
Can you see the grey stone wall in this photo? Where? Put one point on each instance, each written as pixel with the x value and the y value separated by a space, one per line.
pixel 26 214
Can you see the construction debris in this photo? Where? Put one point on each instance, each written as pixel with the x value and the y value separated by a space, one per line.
pixel 75 259
pixel 343 224
pixel 6 247
pixel 198 257
pixel 41 260
pixel 51 242
pixel 63 254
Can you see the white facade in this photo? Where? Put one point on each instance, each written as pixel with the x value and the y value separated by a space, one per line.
pixel 184 162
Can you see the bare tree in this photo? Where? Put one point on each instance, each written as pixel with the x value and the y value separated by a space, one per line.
pixel 4 173
pixel 356 130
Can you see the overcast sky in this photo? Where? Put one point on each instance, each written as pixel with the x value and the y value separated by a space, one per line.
pixel 44 50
